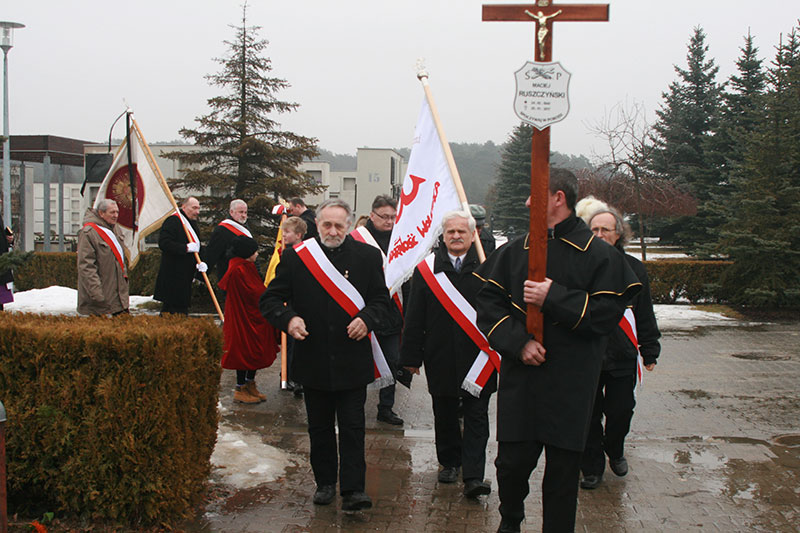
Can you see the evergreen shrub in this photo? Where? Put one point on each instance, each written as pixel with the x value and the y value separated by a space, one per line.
pixel 45 269
pixel 109 418
pixel 695 281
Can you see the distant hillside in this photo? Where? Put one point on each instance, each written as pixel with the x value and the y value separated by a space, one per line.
pixel 477 164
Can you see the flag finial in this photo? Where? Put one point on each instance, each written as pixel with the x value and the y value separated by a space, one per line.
pixel 422 72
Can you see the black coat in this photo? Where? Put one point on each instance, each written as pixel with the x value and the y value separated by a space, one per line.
pixel 216 253
pixel 7 276
pixel 178 268
pixel 394 319
pixel 621 355
pixel 328 359
pixel 592 284
pixel 433 338
pixel 310 219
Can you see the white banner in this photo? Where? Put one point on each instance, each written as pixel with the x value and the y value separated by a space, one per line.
pixel 152 198
pixel 428 193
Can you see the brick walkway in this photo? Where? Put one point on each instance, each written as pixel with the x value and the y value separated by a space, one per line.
pixel 715 446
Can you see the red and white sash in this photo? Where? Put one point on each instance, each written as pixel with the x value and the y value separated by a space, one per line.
pixel 190 230
pixel 111 240
pixel 628 325
pixel 464 314
pixel 235 228
pixel 362 234
pixel 342 291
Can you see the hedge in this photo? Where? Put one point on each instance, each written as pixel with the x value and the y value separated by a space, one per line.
pixel 695 281
pixel 109 418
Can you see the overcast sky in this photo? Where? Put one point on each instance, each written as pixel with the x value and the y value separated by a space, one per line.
pixel 351 63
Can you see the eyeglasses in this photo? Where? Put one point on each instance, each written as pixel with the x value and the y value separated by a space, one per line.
pixel 598 230
pixel 387 218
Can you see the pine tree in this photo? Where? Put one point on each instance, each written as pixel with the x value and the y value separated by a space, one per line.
pixel 763 235
pixel 685 123
pixel 243 152
pixel 513 183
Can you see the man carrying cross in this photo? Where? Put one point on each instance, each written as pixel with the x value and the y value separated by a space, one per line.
pixel 547 383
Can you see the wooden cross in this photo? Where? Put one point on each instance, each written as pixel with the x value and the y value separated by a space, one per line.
pixel 543 13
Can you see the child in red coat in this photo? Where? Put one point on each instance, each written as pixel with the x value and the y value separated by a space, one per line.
pixel 249 339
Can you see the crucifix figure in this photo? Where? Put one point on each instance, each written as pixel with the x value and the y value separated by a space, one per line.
pixel 541 18
pixel 545 13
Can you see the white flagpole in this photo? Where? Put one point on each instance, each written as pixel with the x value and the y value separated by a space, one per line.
pixel 422 76
pixel 163 182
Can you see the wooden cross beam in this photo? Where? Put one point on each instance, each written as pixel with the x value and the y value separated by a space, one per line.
pixel 543 13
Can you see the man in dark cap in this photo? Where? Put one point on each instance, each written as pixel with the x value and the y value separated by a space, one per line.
pixel 486 237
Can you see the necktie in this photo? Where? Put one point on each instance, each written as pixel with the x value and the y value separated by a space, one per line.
pixel 457 264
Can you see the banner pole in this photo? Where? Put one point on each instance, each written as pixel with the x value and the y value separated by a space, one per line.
pixel 175 205
pixel 422 76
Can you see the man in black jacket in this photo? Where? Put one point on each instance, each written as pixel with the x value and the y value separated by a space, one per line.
pixel 431 336
pixel 178 263
pixel 297 208
pixel 222 237
pixel 547 385
pixel 333 358
pixel 379 224
pixel 615 392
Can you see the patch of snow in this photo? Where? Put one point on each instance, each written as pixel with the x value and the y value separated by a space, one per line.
pixel 242 460
pixel 688 317
pixel 56 300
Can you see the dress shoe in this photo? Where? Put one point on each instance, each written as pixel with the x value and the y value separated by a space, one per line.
pixel 448 474
pixel 619 466
pixel 355 501
pixel 390 417
pixel 476 487
pixel 241 395
pixel 298 390
pixel 507 526
pixel 324 494
pixel 591 481
pixel 251 388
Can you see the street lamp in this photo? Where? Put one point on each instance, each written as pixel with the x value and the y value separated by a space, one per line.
pixel 6 42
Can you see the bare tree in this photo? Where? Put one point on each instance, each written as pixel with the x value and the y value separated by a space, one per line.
pixel 622 173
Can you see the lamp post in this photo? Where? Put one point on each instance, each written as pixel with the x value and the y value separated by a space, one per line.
pixel 6 43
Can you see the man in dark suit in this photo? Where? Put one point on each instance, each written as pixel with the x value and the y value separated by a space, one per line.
pixel 178 263
pixel 216 253
pixel 431 336
pixel 547 385
pixel 310 298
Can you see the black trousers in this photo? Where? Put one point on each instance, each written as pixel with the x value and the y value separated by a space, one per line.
pixel 454 449
pixel 515 463
pixel 325 410
pixel 174 309
pixel 615 400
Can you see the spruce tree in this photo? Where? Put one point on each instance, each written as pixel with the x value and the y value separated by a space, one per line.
pixel 242 151
pixel 513 183
pixel 763 234
pixel 685 123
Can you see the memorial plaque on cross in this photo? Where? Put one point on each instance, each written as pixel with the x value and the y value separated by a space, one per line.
pixel 543 13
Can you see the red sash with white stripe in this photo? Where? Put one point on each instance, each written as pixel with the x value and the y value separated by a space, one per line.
pixel 235 228
pixel 111 240
pixel 192 235
pixel 342 291
pixel 362 234
pixel 464 314
pixel 628 325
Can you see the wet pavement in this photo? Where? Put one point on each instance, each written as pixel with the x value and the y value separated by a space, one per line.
pixel 715 446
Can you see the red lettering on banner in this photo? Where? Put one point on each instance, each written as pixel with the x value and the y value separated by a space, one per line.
pixel 426 224
pixel 406 199
pixel 402 246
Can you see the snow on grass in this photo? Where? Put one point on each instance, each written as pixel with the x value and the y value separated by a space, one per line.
pixel 56 301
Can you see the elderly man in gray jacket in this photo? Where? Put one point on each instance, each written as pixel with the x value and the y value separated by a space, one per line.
pixel 102 273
